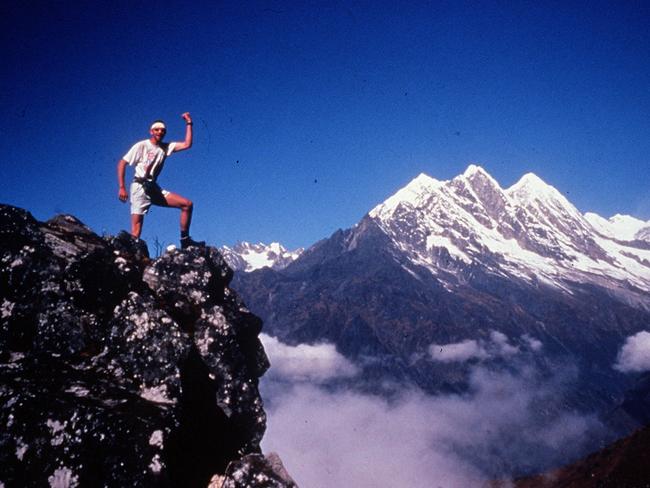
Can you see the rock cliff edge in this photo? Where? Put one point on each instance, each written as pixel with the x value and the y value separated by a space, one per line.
pixel 120 370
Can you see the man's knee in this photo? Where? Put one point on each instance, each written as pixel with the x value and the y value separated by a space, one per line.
pixel 189 205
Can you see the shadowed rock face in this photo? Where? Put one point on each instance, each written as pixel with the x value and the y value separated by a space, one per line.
pixel 117 370
pixel 625 463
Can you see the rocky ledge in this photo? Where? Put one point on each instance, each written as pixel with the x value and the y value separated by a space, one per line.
pixel 121 370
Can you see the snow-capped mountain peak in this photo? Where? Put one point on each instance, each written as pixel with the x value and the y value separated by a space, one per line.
pixel 531 187
pixel 421 186
pixel 530 231
pixel 474 170
pixel 551 209
pixel 530 181
pixel 247 257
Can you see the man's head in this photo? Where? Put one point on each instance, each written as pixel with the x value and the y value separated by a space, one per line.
pixel 158 130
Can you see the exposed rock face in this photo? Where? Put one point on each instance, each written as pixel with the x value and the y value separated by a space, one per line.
pixel 116 370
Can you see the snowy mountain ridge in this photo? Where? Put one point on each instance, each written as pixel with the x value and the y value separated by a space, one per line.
pixel 529 231
pixel 248 257
pixel 623 227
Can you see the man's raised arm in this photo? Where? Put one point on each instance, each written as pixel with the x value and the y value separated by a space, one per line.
pixel 187 143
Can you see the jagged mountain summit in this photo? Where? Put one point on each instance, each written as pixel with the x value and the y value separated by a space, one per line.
pixel 248 257
pixel 119 370
pixel 529 231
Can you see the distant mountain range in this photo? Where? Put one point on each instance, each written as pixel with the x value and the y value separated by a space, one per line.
pixel 447 275
pixel 248 257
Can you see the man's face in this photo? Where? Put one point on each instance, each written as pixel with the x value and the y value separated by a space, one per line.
pixel 158 133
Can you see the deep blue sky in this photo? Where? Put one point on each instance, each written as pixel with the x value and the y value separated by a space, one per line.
pixel 307 114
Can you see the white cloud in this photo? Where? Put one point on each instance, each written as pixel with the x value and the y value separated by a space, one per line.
pixel 457 352
pixel 317 363
pixel 634 356
pixel 533 344
pixel 332 439
pixel 497 346
pixel 502 344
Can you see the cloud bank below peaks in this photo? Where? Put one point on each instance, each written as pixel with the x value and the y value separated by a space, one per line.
pixel 338 436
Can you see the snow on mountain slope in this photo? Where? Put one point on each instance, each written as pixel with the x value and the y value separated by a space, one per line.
pixel 412 193
pixel 247 257
pixel 529 231
pixel 621 227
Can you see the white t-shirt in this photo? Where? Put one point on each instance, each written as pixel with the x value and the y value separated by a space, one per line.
pixel 145 155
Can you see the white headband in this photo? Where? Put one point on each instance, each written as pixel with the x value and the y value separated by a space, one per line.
pixel 157 125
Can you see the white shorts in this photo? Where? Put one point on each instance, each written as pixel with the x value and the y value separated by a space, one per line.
pixel 141 200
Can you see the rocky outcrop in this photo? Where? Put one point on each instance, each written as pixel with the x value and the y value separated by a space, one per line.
pixel 119 370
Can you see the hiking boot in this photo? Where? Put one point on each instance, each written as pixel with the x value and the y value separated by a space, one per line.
pixel 188 242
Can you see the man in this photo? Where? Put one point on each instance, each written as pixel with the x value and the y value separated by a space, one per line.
pixel 148 157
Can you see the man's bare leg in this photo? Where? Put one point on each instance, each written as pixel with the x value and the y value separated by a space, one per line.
pixel 186 206
pixel 136 225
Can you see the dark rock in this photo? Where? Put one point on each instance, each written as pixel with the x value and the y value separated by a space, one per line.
pixel 116 370
pixel 75 427
pixel 257 471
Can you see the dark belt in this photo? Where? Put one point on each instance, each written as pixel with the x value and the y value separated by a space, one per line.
pixel 140 180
